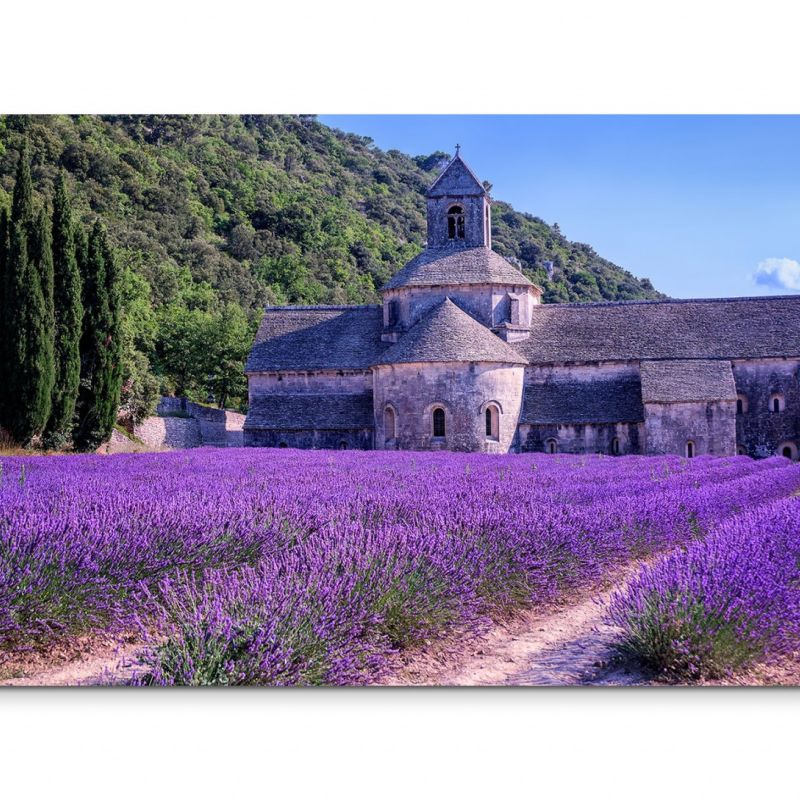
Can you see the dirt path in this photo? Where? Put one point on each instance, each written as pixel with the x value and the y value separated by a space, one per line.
pixel 571 645
pixel 559 646
pixel 109 664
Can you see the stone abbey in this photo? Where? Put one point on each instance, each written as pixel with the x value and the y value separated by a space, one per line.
pixel 463 355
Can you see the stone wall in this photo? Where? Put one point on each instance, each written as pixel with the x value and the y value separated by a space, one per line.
pixel 587 438
pixel 169 433
pixel 310 439
pixel 760 431
pixel 710 425
pixel 463 390
pixel 182 424
pixel 488 303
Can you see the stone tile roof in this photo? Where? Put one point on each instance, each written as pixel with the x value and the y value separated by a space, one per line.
pixel 456 179
pixel 455 265
pixel 310 412
pixel 317 337
pixel 575 402
pixel 687 381
pixel 753 327
pixel 446 333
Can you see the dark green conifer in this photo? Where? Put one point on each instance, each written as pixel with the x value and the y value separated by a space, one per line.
pixel 41 258
pixel 29 327
pixel 22 199
pixel 101 370
pixel 4 244
pixel 68 320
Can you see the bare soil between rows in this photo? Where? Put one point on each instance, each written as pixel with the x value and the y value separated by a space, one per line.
pixel 567 644
pixel 91 661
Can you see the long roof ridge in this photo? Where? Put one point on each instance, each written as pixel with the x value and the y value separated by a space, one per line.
pixel 322 307
pixel 672 301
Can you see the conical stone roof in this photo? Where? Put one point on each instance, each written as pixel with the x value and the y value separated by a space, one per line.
pixel 439 266
pixel 448 334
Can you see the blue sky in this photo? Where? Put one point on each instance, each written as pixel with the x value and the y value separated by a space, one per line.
pixel 704 206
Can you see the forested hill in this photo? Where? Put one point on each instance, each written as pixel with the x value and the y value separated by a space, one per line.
pixel 215 216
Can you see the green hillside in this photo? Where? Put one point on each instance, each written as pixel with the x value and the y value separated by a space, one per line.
pixel 215 216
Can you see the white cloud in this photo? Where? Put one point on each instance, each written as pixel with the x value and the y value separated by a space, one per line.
pixel 778 273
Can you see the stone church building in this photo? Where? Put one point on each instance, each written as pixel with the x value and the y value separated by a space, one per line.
pixel 462 355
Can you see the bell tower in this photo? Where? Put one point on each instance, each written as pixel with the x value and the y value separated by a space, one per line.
pixel 459 212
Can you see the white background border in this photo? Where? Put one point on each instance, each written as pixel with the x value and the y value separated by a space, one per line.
pixel 418 57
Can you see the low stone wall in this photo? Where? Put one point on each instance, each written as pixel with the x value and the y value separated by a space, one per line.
pixel 119 443
pixel 181 424
pixel 169 433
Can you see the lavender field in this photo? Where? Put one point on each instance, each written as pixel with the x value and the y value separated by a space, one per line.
pixel 721 604
pixel 283 567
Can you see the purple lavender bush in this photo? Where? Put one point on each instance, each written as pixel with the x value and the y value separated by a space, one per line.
pixel 721 604
pixel 308 567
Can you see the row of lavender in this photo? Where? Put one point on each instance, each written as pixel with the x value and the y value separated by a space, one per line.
pixel 721 604
pixel 286 567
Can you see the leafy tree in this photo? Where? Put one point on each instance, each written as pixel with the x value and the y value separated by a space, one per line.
pixel 140 390
pixel 68 319
pixel 205 351
pixel 182 349
pixel 229 335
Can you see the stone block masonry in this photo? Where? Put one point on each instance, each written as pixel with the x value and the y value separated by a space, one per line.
pixel 182 424
pixel 169 433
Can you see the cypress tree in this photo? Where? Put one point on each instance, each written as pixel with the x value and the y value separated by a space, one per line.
pixel 101 370
pixel 112 384
pixel 4 311
pixel 41 259
pixel 29 329
pixel 22 199
pixel 68 320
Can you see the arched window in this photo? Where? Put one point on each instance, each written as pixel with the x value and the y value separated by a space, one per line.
pixel 615 446
pixel 788 450
pixel 455 222
pixel 741 450
pixel 438 422
pixel 689 449
pixel 389 424
pixel 343 445
pixel 776 403
pixel 492 419
pixel 282 444
pixel 741 404
pixel 551 446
